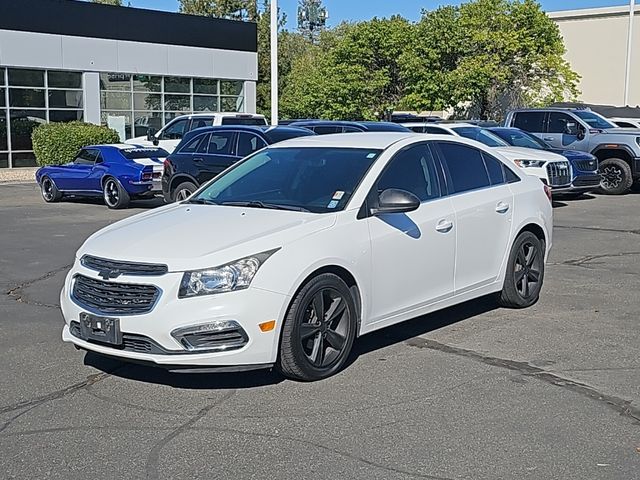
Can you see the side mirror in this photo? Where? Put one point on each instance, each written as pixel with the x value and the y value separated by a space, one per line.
pixel 581 134
pixel 151 134
pixel 571 129
pixel 394 200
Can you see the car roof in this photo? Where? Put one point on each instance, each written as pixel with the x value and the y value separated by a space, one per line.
pixel 123 146
pixel 376 140
pixel 365 124
pixel 263 129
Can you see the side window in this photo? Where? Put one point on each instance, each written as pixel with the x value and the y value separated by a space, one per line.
pixel 86 157
pixel 417 128
pixel 199 122
pixel 558 122
pixel 192 145
pixel 510 176
pixel 98 157
pixel 624 124
pixel 464 166
pixel 327 130
pixel 436 130
pixel 494 169
pixel 348 129
pixel 220 143
pixel 529 121
pixel 248 143
pixel 175 130
pixel 412 170
pixel 204 144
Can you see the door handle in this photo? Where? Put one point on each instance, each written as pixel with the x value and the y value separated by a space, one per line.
pixel 502 207
pixel 198 160
pixel 444 226
pixel 549 139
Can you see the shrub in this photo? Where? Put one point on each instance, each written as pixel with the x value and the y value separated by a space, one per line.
pixel 58 143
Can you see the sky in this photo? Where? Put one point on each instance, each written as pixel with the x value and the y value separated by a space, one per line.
pixel 353 10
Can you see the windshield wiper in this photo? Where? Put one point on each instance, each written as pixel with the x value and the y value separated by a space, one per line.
pixel 201 201
pixel 271 206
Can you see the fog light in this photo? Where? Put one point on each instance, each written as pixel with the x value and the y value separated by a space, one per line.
pixel 214 336
pixel 267 326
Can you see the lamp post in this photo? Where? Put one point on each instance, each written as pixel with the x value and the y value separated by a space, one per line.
pixel 627 70
pixel 274 62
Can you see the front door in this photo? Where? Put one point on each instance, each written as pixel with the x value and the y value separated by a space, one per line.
pixel 561 132
pixel 413 254
pixel 74 176
pixel 483 205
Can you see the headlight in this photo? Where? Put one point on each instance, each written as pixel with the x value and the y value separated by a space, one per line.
pixel 530 163
pixel 225 278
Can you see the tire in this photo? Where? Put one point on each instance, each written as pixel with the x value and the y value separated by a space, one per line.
pixel 115 197
pixel 616 177
pixel 521 290
pixel 311 349
pixel 183 191
pixel 49 191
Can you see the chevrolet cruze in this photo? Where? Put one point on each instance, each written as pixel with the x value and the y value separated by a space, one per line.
pixel 287 257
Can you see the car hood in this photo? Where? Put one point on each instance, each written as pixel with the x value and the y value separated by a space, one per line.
pixel 573 154
pixel 521 153
pixel 189 237
pixel 621 131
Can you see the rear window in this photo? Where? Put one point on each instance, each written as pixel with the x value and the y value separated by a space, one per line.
pixel 243 121
pixel 481 135
pixel 135 153
pixel 277 135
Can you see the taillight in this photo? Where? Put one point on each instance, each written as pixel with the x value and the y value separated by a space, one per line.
pixel 547 190
pixel 166 164
pixel 146 175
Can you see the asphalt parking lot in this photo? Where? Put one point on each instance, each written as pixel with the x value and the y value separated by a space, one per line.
pixel 473 392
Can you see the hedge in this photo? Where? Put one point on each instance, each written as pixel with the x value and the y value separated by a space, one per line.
pixel 58 143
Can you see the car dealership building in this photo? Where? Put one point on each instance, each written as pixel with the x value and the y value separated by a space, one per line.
pixel 129 68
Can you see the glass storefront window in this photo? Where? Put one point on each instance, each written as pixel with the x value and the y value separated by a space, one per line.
pixel 177 103
pixel 64 79
pixel 231 87
pixel 65 98
pixel 26 97
pixel 23 159
pixel 4 144
pixel 115 81
pixel 147 101
pixel 205 85
pixel 65 115
pixel 231 104
pixel 3 103
pixel 147 83
pixel 119 121
pixel 115 101
pixel 142 121
pixel 4 160
pixel 26 78
pixel 205 104
pixel 22 124
pixel 177 85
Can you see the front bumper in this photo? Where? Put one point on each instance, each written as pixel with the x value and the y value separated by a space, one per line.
pixel 248 308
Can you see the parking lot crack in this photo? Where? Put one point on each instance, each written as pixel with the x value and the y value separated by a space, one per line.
pixel 598 229
pixel 17 292
pixel 587 260
pixel 622 406
pixel 154 455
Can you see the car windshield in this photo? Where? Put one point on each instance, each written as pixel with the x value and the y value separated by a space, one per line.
pixel 136 153
pixel 518 138
pixel 480 135
pixel 593 119
pixel 317 180
pixel 243 121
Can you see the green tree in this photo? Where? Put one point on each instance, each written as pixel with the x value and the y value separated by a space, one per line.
pixel 109 2
pixel 229 9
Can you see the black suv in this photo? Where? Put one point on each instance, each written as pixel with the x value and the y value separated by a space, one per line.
pixel 205 152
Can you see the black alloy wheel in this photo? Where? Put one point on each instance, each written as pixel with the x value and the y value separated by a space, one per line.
pixel 115 196
pixel 319 329
pixel 525 272
pixel 50 192
pixel 616 177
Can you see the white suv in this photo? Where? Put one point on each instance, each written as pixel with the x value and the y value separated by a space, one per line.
pixel 553 169
pixel 289 255
pixel 169 136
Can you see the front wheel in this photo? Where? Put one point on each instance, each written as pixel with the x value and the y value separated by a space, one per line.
pixel 319 330
pixel 49 191
pixel 525 272
pixel 183 191
pixel 115 197
pixel 616 177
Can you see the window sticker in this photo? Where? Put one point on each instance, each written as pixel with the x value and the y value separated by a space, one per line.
pixel 333 204
pixel 372 155
pixel 338 195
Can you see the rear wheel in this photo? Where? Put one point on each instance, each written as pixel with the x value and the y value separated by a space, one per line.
pixel 49 191
pixel 115 197
pixel 616 177
pixel 525 272
pixel 319 329
pixel 183 191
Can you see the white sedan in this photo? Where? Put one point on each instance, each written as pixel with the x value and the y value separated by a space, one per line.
pixel 553 169
pixel 292 253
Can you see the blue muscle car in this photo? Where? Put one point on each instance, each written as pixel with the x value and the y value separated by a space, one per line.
pixel 118 173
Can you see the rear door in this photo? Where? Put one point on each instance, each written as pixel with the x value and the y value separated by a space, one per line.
pixel 483 205
pixel 220 151
pixel 247 143
pixel 532 122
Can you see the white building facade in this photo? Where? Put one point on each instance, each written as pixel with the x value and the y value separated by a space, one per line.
pixel 65 60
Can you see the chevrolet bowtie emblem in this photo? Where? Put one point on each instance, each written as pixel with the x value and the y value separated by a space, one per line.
pixel 107 274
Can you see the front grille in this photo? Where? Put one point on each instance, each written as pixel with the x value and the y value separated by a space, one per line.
pixel 587 165
pixel 559 173
pixel 586 181
pixel 114 298
pixel 123 268
pixel 130 343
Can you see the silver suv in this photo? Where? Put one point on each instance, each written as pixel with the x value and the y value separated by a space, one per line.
pixel 618 149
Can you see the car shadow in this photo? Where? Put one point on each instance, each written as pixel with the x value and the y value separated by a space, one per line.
pixel 146 204
pixel 557 204
pixel 222 381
